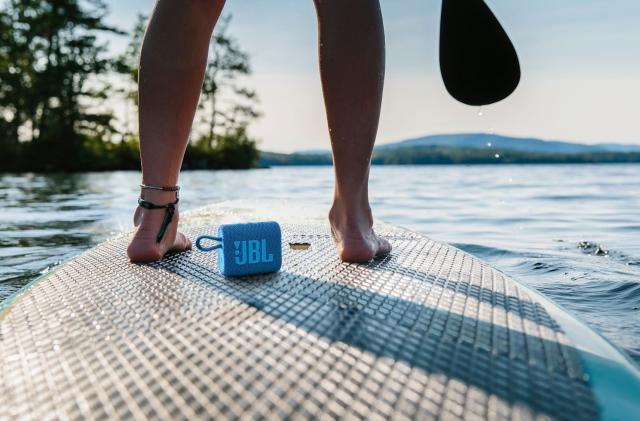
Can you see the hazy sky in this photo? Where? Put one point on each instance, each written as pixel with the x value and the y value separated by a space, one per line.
pixel 580 70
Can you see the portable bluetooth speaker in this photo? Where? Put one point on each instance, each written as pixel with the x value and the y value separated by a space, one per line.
pixel 246 249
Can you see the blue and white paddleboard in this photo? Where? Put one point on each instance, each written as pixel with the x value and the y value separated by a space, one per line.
pixel 428 332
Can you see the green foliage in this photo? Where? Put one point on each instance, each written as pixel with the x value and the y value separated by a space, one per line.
pixel 127 63
pixel 232 150
pixel 55 89
pixel 51 51
pixel 225 106
pixel 49 54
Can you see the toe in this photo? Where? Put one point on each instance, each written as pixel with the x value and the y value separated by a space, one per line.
pixel 384 247
pixel 181 243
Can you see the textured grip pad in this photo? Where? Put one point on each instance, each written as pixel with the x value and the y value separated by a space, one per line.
pixel 250 248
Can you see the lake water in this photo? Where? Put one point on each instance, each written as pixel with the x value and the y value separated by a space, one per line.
pixel 570 231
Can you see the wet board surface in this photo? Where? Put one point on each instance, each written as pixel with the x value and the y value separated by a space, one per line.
pixel 427 332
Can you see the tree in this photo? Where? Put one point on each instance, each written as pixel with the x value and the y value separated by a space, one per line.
pixel 127 64
pixel 226 107
pixel 16 75
pixel 57 85
pixel 225 104
pixel 50 63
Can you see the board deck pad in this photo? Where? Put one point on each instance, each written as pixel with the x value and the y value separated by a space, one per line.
pixel 427 332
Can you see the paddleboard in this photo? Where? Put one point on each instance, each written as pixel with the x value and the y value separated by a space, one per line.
pixel 428 332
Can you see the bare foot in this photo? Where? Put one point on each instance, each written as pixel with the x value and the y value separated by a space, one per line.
pixel 354 236
pixel 143 246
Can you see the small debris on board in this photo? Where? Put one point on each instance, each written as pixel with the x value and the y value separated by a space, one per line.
pixel 299 246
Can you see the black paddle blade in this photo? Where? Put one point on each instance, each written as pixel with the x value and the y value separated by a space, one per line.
pixel 478 62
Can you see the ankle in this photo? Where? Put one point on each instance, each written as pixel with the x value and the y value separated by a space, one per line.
pixel 154 217
pixel 353 198
pixel 158 196
pixel 351 215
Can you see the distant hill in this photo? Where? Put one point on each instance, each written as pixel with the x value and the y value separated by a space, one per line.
pixel 483 140
pixel 473 148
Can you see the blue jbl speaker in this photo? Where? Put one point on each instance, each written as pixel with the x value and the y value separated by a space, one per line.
pixel 246 249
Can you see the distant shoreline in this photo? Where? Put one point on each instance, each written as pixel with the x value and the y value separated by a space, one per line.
pixel 451 149
pixel 436 164
pixel 438 155
pixel 476 164
pixel 473 149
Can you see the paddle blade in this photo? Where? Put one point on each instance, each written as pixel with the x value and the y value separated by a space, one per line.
pixel 478 62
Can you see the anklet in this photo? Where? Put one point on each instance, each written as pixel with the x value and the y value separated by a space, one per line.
pixel 170 208
pixel 161 188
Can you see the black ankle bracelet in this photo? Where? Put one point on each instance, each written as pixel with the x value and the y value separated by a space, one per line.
pixel 170 208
